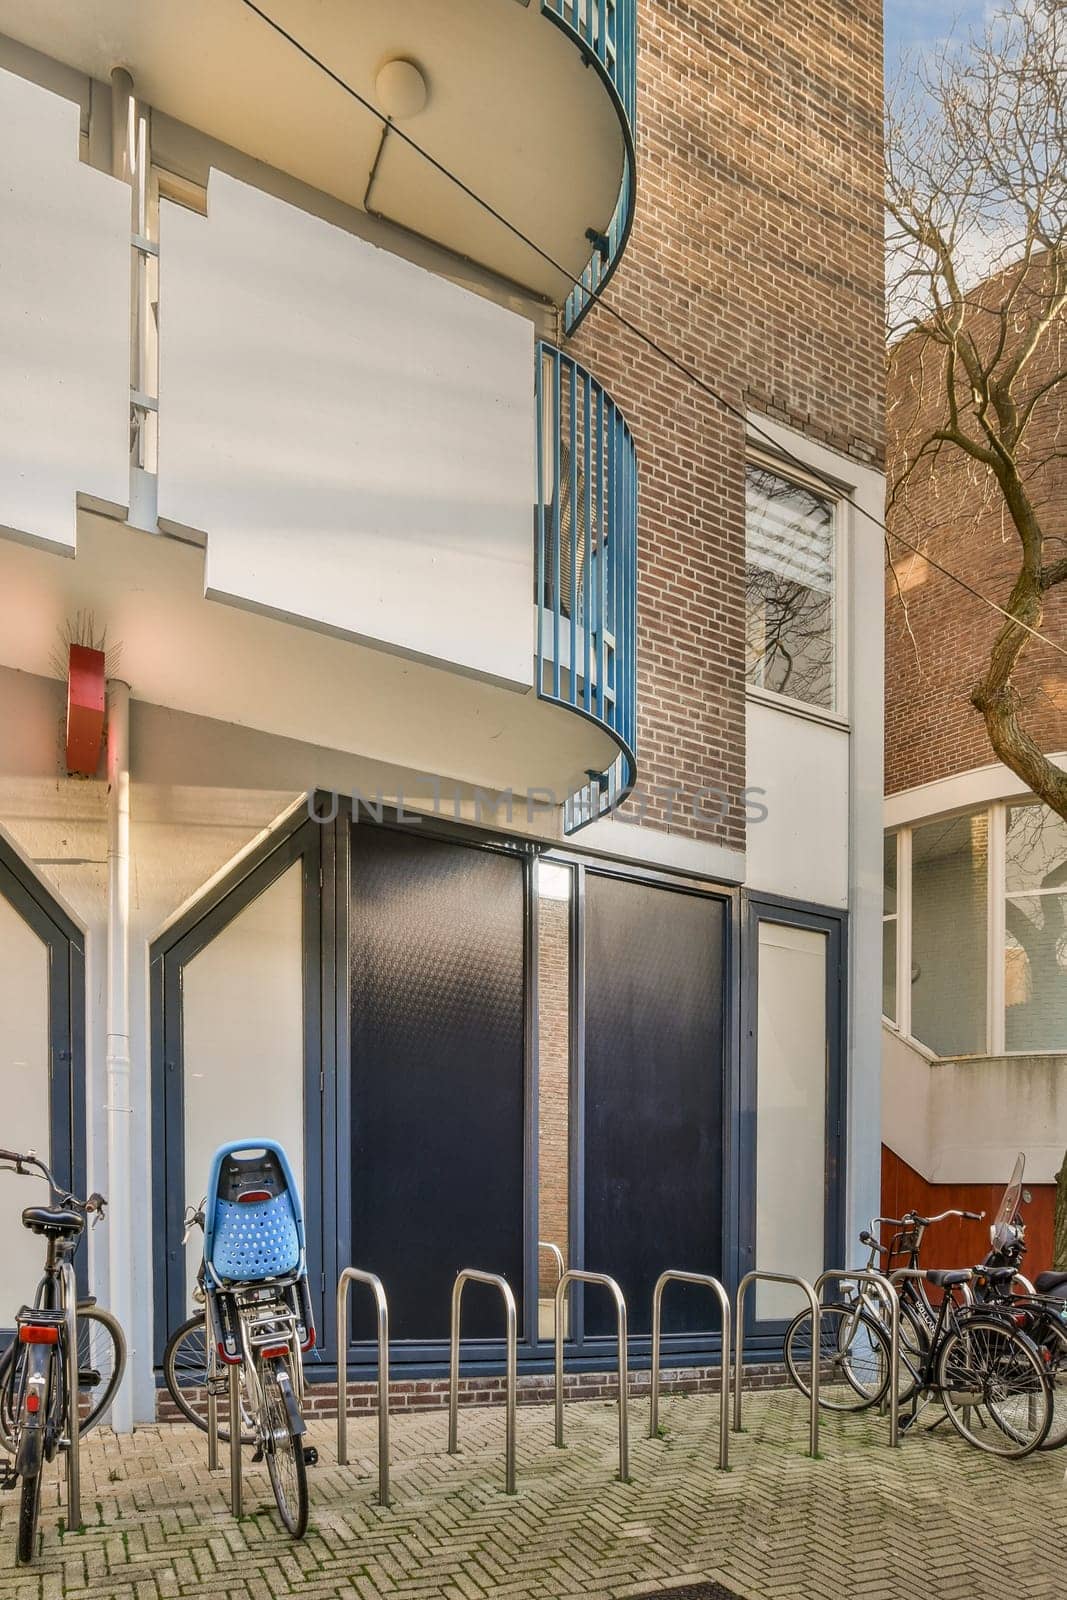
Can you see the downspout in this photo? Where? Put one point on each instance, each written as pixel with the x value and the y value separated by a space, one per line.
pixel 119 1109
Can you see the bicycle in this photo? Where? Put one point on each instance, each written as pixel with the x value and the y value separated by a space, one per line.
pixel 36 1416
pixel 974 1358
pixel 257 1314
pixel 854 1341
pixel 192 1370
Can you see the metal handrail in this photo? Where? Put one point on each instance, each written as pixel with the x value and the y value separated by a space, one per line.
pixel 586 567
pixel 576 1275
pixel 739 1320
pixel 349 1276
pixel 495 1281
pixel 724 1361
pixel 891 1300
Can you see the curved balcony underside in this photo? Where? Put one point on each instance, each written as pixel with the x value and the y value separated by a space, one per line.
pixel 522 105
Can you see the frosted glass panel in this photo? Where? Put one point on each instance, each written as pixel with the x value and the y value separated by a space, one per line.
pixel 24 1091
pixel 790 1112
pixel 949 914
pixel 243 1021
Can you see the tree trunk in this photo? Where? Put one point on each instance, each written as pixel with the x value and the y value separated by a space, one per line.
pixel 1059 1238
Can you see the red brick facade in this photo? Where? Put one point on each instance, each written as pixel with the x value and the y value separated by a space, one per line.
pixel 938 649
pixel 757 257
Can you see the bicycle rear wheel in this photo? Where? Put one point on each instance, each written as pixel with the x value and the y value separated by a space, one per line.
pixel 853 1357
pixel 29 1511
pixel 283 1446
pixel 185 1372
pixel 993 1387
pixel 101 1364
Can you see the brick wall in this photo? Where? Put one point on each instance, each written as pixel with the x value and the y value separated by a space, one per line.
pixel 756 256
pixel 553 1085
pixel 937 650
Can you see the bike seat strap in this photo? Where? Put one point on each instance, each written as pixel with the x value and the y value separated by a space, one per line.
pixel 56 1223
pixel 948 1278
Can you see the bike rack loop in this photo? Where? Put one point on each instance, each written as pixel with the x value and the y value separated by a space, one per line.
pixel 576 1275
pixel 495 1281
pixel 70 1307
pixel 891 1300
pixel 724 1360
pixel 739 1348
pixel 557 1255
pixel 349 1276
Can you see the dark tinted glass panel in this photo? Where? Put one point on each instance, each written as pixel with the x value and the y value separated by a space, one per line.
pixel 653 1097
pixel 437 1075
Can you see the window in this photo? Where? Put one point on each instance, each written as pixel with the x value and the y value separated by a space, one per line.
pixel 975 911
pixel 889 928
pixel 789 589
pixel 1035 929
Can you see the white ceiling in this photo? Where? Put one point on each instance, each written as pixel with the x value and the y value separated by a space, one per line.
pixel 512 109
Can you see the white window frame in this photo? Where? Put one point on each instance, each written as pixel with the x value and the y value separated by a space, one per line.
pixel 836 714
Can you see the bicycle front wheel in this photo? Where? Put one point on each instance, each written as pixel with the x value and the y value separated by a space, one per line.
pixel 283 1446
pixel 185 1372
pixel 993 1387
pixel 853 1357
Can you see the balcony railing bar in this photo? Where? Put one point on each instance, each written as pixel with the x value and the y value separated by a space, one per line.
pixel 607 31
pixel 587 506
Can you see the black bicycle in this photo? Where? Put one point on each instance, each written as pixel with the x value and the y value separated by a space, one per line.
pixel 36 1418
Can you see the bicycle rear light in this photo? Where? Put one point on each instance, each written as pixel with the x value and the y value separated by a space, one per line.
pixel 38 1333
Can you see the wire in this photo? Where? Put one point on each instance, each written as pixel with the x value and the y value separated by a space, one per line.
pixel 635 329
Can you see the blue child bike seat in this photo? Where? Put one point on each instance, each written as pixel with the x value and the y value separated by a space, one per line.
pixel 253 1223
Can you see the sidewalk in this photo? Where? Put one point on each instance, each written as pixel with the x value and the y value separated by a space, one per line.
pixel 863 1523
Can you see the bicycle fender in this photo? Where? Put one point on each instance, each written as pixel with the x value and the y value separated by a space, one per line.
pixel 296 1421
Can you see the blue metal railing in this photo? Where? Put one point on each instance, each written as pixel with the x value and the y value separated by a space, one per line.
pixel 606 32
pixel 586 538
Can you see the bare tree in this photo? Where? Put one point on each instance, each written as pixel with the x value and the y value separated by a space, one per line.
pixel 977 208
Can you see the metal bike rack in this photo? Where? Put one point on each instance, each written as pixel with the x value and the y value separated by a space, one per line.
pixel 889 1297
pixel 234 1373
pixel 349 1276
pixel 575 1275
pixel 557 1255
pixel 813 1301
pixel 70 1308
pixel 495 1281
pixel 724 1363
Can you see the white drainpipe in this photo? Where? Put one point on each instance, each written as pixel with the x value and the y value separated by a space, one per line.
pixel 119 1110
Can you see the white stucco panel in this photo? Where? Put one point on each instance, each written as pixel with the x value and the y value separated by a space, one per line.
pixel 801 847
pixel 354 435
pixel 64 320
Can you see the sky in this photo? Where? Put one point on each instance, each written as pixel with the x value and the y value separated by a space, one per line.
pixel 921 25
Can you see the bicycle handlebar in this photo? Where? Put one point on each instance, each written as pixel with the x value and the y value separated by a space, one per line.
pixel 970 1216
pixel 22 1162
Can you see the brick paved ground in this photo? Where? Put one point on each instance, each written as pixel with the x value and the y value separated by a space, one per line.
pixel 861 1524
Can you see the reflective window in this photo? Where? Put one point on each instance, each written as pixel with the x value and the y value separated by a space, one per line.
pixel 1035 930
pixel 949 913
pixel 789 589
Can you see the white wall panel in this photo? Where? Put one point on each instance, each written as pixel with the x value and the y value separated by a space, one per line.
pixel 64 319
pixel 790 1111
pixel 354 435
pixel 24 1121
pixel 242 1014
pixel 801 848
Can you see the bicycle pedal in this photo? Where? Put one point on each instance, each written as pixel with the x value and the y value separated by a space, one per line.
pixel 257 1454
pixel 311 1456
pixel 8 1476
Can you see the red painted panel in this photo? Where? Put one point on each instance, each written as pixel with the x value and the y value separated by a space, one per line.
pixel 85 709
pixel 963 1244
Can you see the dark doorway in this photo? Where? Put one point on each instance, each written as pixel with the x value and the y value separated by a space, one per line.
pixel 654 1007
pixel 437 994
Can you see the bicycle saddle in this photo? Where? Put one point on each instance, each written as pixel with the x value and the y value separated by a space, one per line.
pixel 1051 1282
pixel 949 1278
pixel 54 1224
